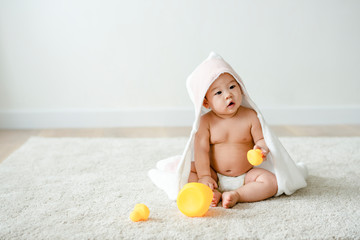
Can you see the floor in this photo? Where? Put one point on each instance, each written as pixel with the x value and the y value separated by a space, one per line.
pixel 11 139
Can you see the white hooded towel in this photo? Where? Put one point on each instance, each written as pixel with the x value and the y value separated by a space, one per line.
pixel 172 174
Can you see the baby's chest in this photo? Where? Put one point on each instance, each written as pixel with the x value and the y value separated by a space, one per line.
pixel 235 133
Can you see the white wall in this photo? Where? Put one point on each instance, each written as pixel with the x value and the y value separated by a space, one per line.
pixel 102 63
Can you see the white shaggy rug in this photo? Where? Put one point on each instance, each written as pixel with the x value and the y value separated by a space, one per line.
pixel 82 188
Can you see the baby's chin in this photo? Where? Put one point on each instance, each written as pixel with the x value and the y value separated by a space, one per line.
pixel 227 113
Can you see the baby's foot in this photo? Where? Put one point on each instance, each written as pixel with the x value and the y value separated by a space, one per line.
pixel 229 199
pixel 216 198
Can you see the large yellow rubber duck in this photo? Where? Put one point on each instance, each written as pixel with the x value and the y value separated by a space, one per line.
pixel 194 199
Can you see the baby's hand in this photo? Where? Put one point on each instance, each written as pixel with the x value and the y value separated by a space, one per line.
pixel 208 181
pixel 264 150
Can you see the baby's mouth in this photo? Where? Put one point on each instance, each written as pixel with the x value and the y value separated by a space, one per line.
pixel 231 104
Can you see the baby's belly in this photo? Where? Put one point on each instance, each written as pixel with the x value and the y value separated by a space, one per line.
pixel 230 158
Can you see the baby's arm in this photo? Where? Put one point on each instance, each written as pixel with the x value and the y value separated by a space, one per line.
pixel 202 158
pixel 258 137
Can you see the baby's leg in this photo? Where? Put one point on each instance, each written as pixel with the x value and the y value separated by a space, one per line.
pixel 259 184
pixel 194 178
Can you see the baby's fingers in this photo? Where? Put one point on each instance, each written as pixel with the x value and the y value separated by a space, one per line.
pixel 263 150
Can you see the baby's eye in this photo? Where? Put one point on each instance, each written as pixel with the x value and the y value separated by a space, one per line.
pixel 232 86
pixel 218 93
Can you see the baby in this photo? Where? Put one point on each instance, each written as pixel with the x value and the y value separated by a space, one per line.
pixel 224 136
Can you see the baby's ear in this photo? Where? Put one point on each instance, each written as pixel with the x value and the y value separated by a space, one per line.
pixel 206 103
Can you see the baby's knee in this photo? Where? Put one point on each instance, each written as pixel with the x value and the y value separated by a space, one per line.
pixel 265 177
pixel 271 181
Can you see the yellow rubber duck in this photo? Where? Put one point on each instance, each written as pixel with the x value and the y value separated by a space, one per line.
pixel 194 199
pixel 141 213
pixel 255 157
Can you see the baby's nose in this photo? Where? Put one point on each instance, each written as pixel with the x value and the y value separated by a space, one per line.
pixel 228 95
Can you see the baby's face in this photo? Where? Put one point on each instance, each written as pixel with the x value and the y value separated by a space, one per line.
pixel 224 96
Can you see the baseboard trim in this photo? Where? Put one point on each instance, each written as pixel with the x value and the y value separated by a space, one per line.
pixel 18 119
pixel 337 115
pixel 95 118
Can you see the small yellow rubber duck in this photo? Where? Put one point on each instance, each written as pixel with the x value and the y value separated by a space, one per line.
pixel 141 213
pixel 255 157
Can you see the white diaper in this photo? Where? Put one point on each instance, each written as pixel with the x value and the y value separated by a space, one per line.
pixel 227 183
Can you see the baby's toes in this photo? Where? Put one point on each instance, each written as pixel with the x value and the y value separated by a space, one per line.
pixel 216 199
pixel 230 199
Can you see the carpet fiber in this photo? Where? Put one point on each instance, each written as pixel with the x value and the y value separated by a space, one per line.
pixel 83 188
